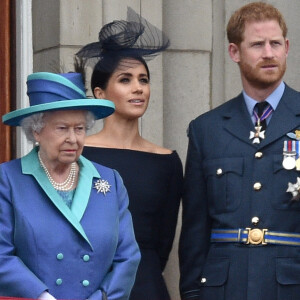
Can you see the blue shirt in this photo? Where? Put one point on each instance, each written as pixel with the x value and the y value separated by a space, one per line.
pixel 272 99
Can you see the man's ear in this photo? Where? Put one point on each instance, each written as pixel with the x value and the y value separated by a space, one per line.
pixel 234 52
pixel 99 93
pixel 287 46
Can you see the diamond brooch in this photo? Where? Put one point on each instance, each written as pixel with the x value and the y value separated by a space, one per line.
pixel 102 186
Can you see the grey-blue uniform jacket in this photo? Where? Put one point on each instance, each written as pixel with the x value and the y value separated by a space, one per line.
pixel 232 184
pixel 73 253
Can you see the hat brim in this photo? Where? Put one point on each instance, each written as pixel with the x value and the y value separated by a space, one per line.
pixel 101 108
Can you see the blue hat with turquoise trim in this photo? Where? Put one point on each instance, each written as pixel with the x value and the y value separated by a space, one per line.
pixel 49 92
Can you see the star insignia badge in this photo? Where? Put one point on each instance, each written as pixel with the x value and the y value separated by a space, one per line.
pixel 102 186
pixel 294 189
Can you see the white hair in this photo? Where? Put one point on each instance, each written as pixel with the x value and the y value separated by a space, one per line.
pixel 35 123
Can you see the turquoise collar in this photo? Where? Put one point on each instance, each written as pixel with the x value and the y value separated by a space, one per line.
pixel 30 165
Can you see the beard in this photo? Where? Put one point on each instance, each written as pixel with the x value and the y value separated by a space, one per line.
pixel 260 78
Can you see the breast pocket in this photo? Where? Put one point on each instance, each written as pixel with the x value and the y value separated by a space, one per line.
pixel 288 278
pixel 281 199
pixel 224 183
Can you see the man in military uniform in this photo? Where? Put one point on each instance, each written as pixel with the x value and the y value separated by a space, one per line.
pixel 241 211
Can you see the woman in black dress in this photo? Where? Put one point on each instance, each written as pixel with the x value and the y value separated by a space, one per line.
pixel 152 174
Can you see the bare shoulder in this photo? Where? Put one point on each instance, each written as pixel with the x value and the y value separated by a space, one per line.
pixel 161 150
pixel 150 147
pixel 101 140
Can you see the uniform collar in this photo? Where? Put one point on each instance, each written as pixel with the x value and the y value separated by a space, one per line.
pixel 285 118
pixel 273 99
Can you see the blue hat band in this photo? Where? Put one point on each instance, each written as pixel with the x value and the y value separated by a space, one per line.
pixel 42 91
pixel 49 92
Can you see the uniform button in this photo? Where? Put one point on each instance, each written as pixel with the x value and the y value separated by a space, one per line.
pixel 255 220
pixel 85 283
pixel 258 155
pixel 59 281
pixel 257 186
pixel 203 280
pixel 59 256
pixel 219 171
pixel 86 257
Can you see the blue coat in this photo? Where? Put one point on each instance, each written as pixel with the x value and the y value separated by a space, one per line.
pixel 229 181
pixel 73 253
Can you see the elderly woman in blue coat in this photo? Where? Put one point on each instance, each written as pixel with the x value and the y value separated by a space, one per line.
pixel 65 229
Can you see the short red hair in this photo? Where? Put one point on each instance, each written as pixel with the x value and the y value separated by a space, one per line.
pixel 252 12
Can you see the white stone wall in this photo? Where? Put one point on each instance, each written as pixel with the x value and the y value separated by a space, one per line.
pixel 193 76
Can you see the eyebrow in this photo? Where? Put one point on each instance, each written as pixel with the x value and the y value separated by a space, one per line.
pixel 124 74
pixel 130 74
pixel 62 122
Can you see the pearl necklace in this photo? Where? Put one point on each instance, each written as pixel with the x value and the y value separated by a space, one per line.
pixel 67 185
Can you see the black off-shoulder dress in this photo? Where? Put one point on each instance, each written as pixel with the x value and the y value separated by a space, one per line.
pixel 154 183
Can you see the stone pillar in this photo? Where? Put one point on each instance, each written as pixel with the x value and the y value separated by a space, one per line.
pixel 60 28
pixel 186 73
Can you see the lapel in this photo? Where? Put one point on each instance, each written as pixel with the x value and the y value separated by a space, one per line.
pixel 84 187
pixel 30 165
pixel 237 121
pixel 284 119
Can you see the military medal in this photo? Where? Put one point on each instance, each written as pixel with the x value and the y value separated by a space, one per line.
pixel 289 163
pixel 294 189
pixel 258 134
pixel 295 148
pixel 298 164
pixel 291 159
pixel 297 155
pixel 289 155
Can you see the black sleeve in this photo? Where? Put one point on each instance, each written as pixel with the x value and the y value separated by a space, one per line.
pixel 196 227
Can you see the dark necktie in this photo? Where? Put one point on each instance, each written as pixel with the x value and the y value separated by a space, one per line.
pixel 263 111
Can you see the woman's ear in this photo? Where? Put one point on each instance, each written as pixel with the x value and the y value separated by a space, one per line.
pixel 36 136
pixel 99 93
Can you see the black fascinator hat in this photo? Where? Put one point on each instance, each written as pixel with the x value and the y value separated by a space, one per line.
pixel 135 37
